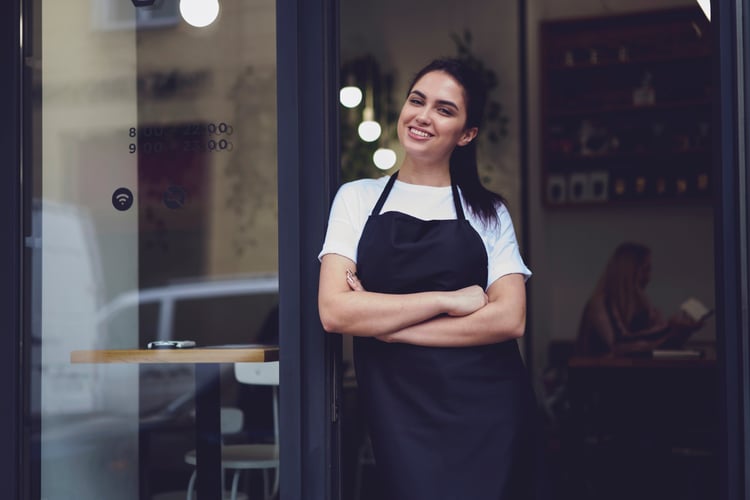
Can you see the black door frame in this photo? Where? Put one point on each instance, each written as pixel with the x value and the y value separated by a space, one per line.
pixel 11 245
pixel 307 61
pixel 732 85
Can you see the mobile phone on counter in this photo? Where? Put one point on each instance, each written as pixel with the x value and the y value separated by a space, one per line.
pixel 171 344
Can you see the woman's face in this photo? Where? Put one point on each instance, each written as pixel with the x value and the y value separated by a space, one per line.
pixel 433 119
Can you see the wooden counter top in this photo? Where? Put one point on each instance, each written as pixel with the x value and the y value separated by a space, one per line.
pixel 260 353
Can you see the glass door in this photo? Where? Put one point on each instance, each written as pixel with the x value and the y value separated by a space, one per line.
pixel 152 212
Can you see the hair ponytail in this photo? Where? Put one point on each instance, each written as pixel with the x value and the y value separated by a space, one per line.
pixel 463 162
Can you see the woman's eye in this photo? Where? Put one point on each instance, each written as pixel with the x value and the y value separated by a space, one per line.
pixel 416 101
pixel 445 111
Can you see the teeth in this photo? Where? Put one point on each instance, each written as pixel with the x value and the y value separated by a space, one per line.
pixel 419 133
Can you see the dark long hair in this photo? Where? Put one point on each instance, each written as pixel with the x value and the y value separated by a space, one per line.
pixel 463 162
pixel 619 282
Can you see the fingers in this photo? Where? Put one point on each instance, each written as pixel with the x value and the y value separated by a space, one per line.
pixel 353 281
pixel 467 300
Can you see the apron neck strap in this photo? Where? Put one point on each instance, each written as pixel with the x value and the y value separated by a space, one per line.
pixel 457 202
pixel 384 194
pixel 387 190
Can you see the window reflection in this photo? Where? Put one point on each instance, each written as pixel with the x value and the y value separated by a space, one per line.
pixel 155 216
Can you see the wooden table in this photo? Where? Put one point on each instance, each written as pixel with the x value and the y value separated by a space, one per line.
pixel 645 424
pixel 639 362
pixel 207 363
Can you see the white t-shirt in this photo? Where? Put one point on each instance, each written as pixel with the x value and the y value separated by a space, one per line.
pixel 355 200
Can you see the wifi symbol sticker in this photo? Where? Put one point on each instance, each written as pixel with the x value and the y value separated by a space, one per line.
pixel 122 199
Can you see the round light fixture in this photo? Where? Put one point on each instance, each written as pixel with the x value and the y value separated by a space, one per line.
pixel 199 13
pixel 384 158
pixel 369 130
pixel 350 96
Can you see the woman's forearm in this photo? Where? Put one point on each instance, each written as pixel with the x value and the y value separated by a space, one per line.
pixel 365 313
pixel 636 346
pixel 479 328
pixel 651 332
pixel 503 318
pixel 345 307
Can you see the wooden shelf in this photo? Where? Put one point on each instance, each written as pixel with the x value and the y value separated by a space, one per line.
pixel 590 106
pixel 630 108
pixel 620 157
pixel 701 55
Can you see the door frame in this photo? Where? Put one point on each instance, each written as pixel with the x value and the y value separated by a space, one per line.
pixel 11 250
pixel 731 226
pixel 308 169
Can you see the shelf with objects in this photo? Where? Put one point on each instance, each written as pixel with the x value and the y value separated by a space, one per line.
pixel 626 108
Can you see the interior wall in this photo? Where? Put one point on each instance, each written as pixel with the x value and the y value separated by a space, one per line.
pixel 569 248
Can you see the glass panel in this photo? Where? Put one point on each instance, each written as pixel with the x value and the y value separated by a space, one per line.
pixel 153 171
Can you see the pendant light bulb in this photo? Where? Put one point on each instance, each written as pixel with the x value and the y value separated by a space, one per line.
pixel 369 130
pixel 384 158
pixel 199 13
pixel 350 96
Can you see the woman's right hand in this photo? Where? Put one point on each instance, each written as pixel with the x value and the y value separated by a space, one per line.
pixel 466 300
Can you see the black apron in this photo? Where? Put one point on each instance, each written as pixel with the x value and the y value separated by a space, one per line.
pixel 445 423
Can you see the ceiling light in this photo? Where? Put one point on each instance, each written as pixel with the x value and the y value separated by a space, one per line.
pixel 369 130
pixel 199 13
pixel 350 96
pixel 384 158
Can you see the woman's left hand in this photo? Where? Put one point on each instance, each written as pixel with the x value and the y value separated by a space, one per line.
pixel 353 281
pixel 499 315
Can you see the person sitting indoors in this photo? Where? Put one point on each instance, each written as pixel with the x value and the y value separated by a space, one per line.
pixel 619 318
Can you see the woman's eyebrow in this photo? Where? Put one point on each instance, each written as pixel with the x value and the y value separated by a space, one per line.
pixel 442 102
pixel 448 103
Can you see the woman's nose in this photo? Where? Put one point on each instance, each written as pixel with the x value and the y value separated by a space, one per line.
pixel 423 116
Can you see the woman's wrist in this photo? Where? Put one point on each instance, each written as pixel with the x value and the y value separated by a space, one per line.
pixel 445 302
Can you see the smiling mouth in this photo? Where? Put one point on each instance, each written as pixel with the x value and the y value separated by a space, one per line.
pixel 419 133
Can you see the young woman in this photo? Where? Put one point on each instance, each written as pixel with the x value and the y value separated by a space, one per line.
pixel 423 268
pixel 619 318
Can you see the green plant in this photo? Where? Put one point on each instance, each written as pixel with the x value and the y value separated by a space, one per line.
pixel 495 126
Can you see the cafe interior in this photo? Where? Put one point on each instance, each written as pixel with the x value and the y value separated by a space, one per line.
pixel 598 135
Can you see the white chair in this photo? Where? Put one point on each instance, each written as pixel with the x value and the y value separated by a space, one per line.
pixel 232 421
pixel 239 457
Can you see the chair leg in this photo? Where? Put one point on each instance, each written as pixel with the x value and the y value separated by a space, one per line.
pixel 235 483
pixel 275 489
pixel 266 486
pixel 191 485
pixel 270 489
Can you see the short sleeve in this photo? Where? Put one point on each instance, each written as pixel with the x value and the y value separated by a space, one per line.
pixel 345 223
pixel 503 255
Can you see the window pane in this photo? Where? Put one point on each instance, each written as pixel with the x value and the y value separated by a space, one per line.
pixel 155 217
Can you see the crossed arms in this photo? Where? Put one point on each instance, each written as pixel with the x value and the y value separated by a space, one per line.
pixel 465 317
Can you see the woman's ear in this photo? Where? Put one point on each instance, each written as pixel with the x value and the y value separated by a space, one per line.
pixel 468 136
